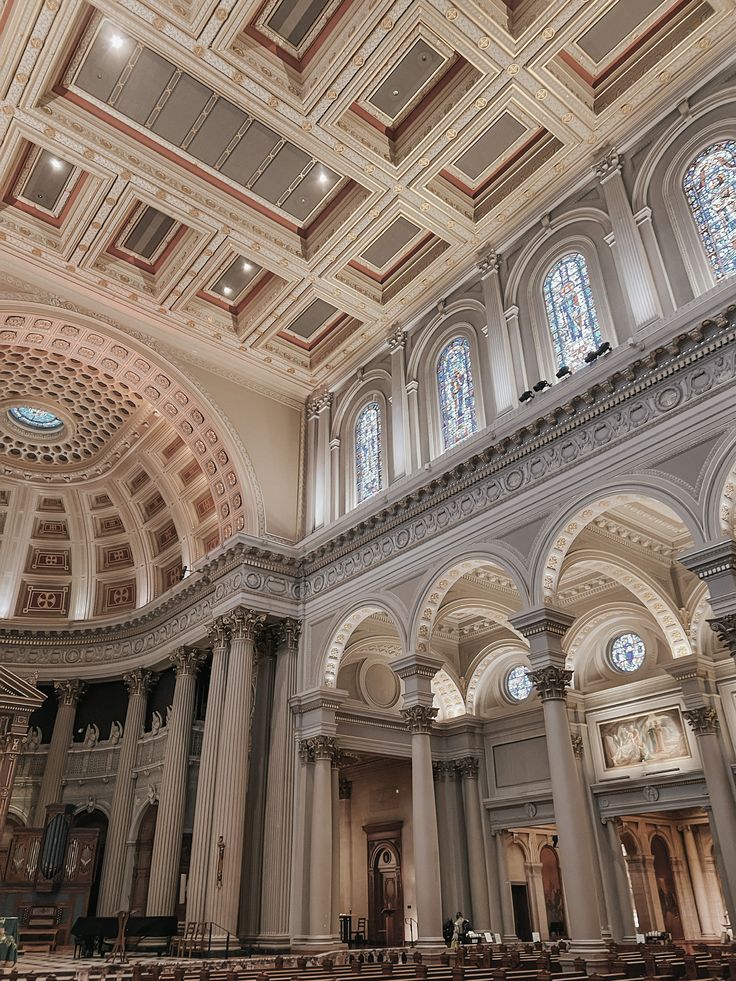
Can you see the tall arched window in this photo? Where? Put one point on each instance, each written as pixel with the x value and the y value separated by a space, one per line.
pixel 573 321
pixel 368 465
pixel 710 187
pixel 457 395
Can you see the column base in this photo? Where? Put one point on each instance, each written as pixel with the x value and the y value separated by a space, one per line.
pixel 277 943
pixel 317 945
pixel 593 952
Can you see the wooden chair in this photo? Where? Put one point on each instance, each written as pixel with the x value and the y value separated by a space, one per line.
pixel 360 931
pixel 180 944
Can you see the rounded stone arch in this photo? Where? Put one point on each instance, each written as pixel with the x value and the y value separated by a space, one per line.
pixel 597 621
pixel 558 538
pixel 103 806
pixel 448 694
pixel 719 490
pixel 631 842
pixel 191 413
pixel 346 624
pixel 486 661
pixel 660 607
pixel 437 584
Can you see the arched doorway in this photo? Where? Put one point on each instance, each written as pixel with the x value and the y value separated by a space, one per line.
pixel 142 861
pixel 94 819
pixel 552 886
pixel 385 894
pixel 666 889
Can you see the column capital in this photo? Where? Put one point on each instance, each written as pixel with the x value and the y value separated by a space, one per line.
pixel 186 661
pixel 306 752
pixel 468 767
pixel 551 682
pixel 319 401
pixel 323 747
pixel 703 721
pixel 489 264
pixel 288 632
pixel 219 633
pixel 138 682
pixel 69 692
pixel 608 166
pixel 244 623
pixel 419 718
pixel 725 628
pixel 396 338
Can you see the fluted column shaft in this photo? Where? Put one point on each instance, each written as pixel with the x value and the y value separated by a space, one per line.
pixel 320 864
pixel 419 719
pixel 279 819
pixel 68 694
pixel 704 723
pixel 207 779
pixel 399 404
pixel 481 919
pixel 113 868
pixel 503 366
pixel 698 881
pixel 621 881
pixel 228 818
pixel 628 250
pixel 163 881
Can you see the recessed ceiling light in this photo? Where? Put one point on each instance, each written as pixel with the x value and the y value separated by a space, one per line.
pixel 395 92
pixel 55 163
pixel 227 290
pixel 323 177
pixel 116 41
pixel 247 267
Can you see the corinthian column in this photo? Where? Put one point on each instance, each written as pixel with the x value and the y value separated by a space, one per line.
pixel 320 865
pixel 68 694
pixel 544 628
pixel 279 818
pixel 399 403
pixel 228 818
pixel 138 683
pixel 219 637
pixel 468 769
pixel 417 671
pixel 172 797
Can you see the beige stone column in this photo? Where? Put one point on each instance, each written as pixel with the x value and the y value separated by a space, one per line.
pixel 219 638
pixel 544 628
pixel 138 683
pixel 163 883
pixel 417 671
pixel 400 443
pixel 704 723
pixel 468 769
pixel 533 873
pixel 279 819
pixel 621 883
pixel 335 814
pixel 320 852
pixel 68 694
pixel 453 859
pixel 647 903
pixel 228 815
pixel 345 791
pixel 697 880
pixel 508 931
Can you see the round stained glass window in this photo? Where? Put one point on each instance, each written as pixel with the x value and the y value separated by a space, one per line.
pixel 518 684
pixel 38 419
pixel 628 652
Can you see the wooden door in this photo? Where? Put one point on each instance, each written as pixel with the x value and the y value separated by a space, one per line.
pixel 142 861
pixel 385 893
pixel 522 916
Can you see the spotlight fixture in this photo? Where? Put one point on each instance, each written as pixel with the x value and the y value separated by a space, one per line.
pixel 116 41
pixel 55 163
pixel 541 385
pixel 604 348
pixel 563 371
pixel 590 357
pixel 526 396
pixel 555 840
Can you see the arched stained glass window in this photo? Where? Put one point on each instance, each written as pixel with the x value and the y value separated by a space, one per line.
pixel 573 321
pixel 368 466
pixel 457 395
pixel 710 188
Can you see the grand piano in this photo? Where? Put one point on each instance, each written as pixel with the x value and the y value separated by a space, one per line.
pixel 92 932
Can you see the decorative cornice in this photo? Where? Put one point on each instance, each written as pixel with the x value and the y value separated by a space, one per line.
pixel 703 721
pixel 713 560
pixel 69 692
pixel 138 682
pixel 551 682
pixel 544 620
pixel 419 718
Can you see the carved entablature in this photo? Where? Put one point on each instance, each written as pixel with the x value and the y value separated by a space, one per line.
pixel 551 683
pixel 419 718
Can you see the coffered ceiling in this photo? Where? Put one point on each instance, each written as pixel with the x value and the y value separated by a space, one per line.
pixel 271 184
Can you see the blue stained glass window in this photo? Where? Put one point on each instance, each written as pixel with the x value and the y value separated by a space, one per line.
pixel 710 188
pixel 571 313
pixel 519 684
pixel 628 652
pixel 35 418
pixel 368 466
pixel 457 395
